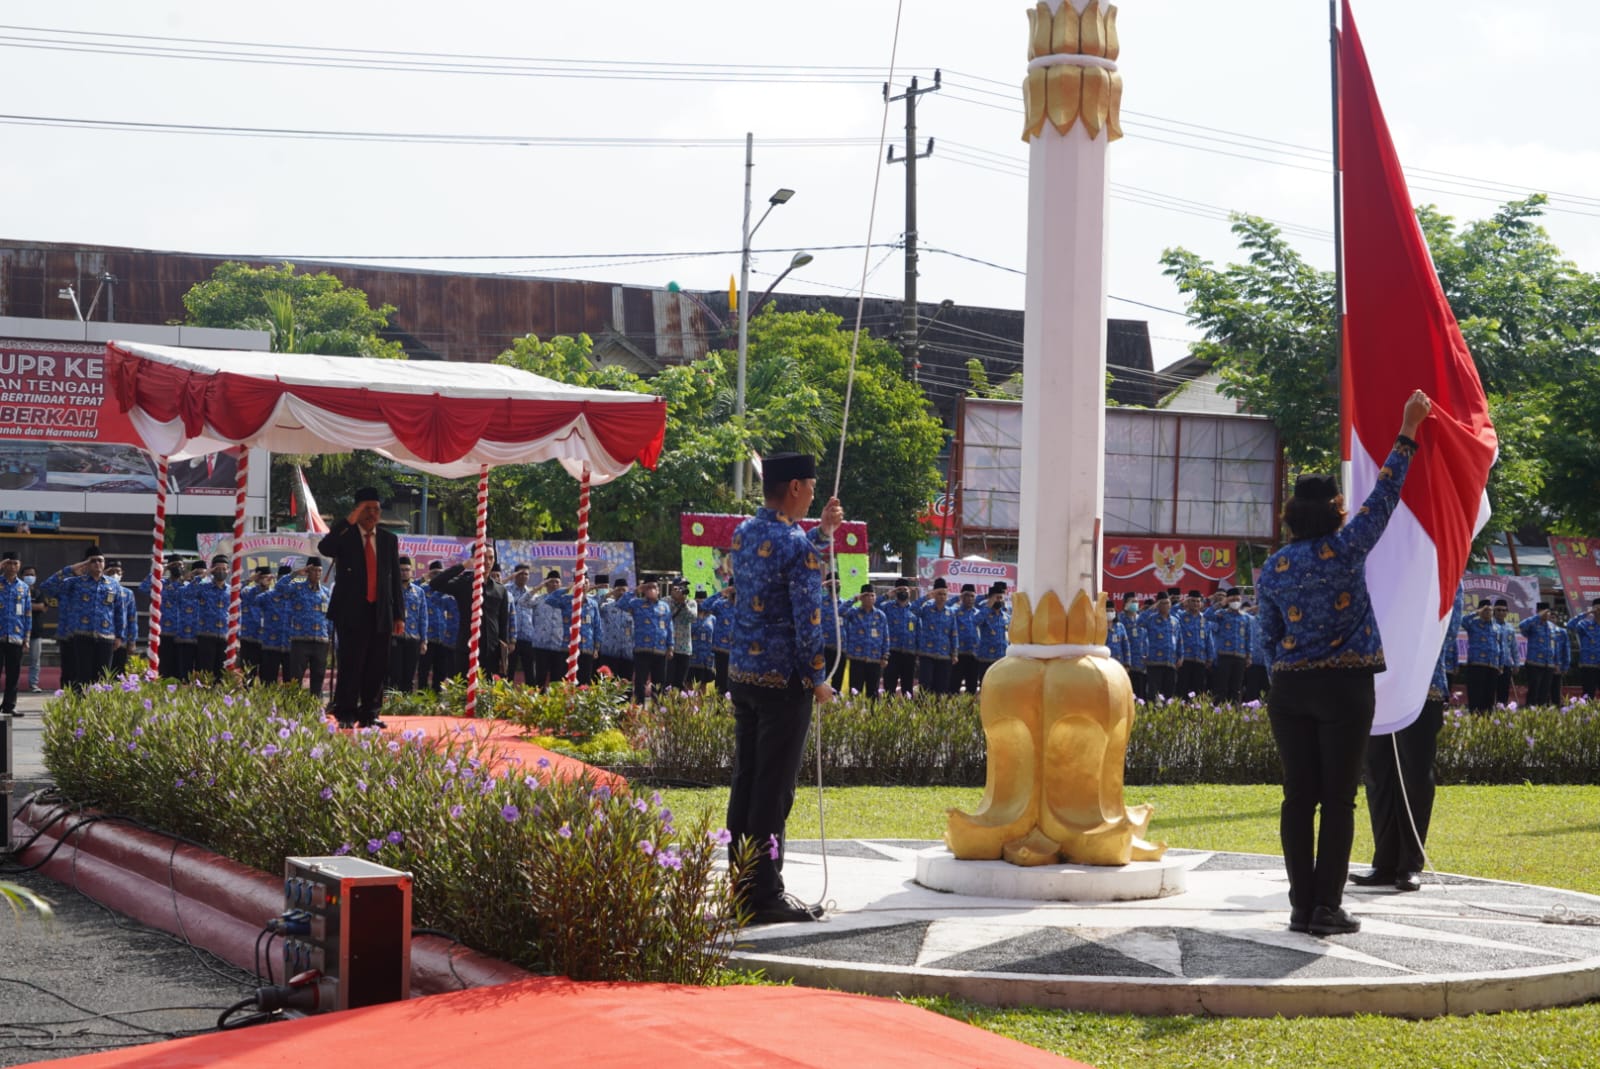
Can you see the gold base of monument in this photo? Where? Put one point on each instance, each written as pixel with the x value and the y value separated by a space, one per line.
pixel 1057 733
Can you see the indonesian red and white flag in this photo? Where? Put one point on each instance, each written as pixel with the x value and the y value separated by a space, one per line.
pixel 314 521
pixel 1399 334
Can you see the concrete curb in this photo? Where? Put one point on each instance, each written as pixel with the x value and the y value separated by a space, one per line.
pixel 214 903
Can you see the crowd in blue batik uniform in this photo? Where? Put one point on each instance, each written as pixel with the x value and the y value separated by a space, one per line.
pixel 866 633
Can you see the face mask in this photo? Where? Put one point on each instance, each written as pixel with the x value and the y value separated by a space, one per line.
pixel 1235 604
pixel 27 580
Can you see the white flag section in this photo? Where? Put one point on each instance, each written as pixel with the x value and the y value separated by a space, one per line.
pixel 314 521
pixel 1403 582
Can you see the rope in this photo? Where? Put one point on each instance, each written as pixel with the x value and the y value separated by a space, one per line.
pixel 236 576
pixel 157 568
pixel 580 582
pixel 480 570
pixel 844 429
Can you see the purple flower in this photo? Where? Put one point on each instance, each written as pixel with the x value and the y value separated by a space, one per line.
pixel 374 845
pixel 317 753
pixel 326 794
pixel 646 847
pixel 722 837
pixel 395 837
pixel 1530 741
pixel 455 812
pixel 284 733
pixel 344 848
pixel 78 734
pixel 565 831
pixel 361 785
pixel 147 705
pixel 543 762
pixel 640 805
pixel 450 765
pixel 390 782
pixel 669 859
pixel 394 747
pixel 655 797
pixel 227 699
pixel 132 746
pixel 602 792
pixel 178 782
pixel 773 849
pixel 510 813
pixel 269 750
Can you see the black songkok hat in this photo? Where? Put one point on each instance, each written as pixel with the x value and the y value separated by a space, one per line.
pixel 553 573
pixel 92 551
pixel 1174 592
pixel 649 577
pixel 284 569
pixel 220 558
pixel 436 566
pixel 602 580
pixel 9 555
pixel 1316 488
pixel 968 588
pixel 619 583
pixel 313 562
pixel 1486 603
pixel 196 566
pixel 1231 591
pixel 1595 604
pixel 902 582
pixel 368 493
pixel 1541 607
pixel 940 584
pixel 998 588
pixel 866 588
pixel 265 569
pixel 778 469
pixel 405 560
pixel 1501 603
pixel 1195 594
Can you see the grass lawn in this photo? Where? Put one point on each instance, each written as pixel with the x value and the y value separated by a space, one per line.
pixel 1543 835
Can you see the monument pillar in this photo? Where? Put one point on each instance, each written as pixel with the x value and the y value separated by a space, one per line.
pixel 1057 710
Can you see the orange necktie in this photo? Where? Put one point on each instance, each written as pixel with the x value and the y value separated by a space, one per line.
pixel 372 568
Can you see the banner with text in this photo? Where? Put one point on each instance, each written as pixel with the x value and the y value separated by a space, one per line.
pixel 293 547
pixel 1578 564
pixel 1149 565
pixel 614 559
pixel 1520 591
pixel 956 572
pixel 705 537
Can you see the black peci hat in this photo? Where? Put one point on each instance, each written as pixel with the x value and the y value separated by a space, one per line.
pixel 1193 594
pixel 779 469
pixel 368 493
pixel 553 573
pixel 619 583
pixel 940 584
pixel 405 560
pixel 436 566
pixel 902 583
pixel 265 569
pixel 92 551
pixel 284 569
pixel 602 580
pixel 1501 603
pixel 220 558
pixel 968 588
pixel 313 562
pixel 866 588
pixel 1541 607
pixel 997 588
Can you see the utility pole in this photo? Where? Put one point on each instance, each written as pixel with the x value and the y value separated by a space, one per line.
pixel 908 310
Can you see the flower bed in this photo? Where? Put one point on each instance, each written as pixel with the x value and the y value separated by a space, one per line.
pixel 560 877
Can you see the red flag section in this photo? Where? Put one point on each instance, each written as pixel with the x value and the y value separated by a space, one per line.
pixel 1399 334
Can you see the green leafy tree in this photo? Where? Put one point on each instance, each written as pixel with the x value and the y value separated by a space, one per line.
pixel 1530 317
pixel 305 313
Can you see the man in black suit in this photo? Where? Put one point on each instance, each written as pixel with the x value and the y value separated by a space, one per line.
pixel 496 623
pixel 367 608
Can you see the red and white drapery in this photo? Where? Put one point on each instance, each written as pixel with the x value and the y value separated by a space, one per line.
pixel 449 419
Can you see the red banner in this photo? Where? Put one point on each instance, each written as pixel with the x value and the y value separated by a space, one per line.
pixel 1578 564
pixel 1148 565
pixel 716 530
pixel 57 392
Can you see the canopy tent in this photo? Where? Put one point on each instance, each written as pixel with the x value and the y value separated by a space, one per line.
pixel 447 419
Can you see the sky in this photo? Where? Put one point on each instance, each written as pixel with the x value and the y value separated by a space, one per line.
pixel 642 110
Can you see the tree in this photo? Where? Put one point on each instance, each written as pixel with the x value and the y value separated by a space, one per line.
pixel 1530 317
pixel 304 313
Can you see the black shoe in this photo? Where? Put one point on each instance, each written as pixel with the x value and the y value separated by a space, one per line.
pixel 1331 920
pixel 1408 881
pixel 1375 878
pixel 784 910
pixel 347 725
pixel 376 724
pixel 1299 922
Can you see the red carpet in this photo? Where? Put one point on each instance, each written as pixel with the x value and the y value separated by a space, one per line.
pixel 507 741
pixel 556 1023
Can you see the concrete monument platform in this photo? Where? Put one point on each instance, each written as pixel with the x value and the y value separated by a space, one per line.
pixel 1221 947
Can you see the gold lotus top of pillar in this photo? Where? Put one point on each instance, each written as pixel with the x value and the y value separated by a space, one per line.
pixel 1048 623
pixel 1065 91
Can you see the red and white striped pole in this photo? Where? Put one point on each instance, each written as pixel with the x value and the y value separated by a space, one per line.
pixel 580 582
pixel 236 580
pixel 480 569
pixel 158 568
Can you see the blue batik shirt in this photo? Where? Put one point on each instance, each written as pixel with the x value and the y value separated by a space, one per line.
pixel 902 624
pixel 130 616
pixel 1484 646
pixel 616 630
pixel 415 597
pixel 1133 629
pixel 1439 688
pixel 777 629
pixel 210 601
pixel 16 611
pixel 1563 649
pixel 1313 592
pixel 559 603
pixel 1117 640
pixel 250 612
pixel 1160 639
pixel 1541 636
pixel 1231 631
pixel 652 623
pixel 994 627
pixel 88 606
pixel 704 637
pixel 1259 654
pixel 1510 656
pixel 830 619
pixel 966 619
pixel 551 626
pixel 936 628
pixel 444 617
pixel 306 607
pixel 1588 635
pixel 1194 638
pixel 274 620
pixel 722 608
pixel 866 634
pixel 523 600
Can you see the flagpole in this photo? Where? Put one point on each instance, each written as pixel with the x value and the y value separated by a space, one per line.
pixel 1343 386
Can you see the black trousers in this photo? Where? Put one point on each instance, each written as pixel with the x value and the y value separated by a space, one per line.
pixel 441 664
pixel 1480 686
pixel 209 654
pixel 274 665
pixel 169 660
pixel 830 656
pixel 699 676
pixel 526 658
pixel 91 658
pixel 404 653
pixel 866 677
pixel 1162 681
pixel 250 658
pixel 1320 720
pixel 586 666
pixel 901 671
pixel 119 660
pixel 305 653
pixel 648 668
pixel 1256 682
pixel 549 666
pixel 1227 678
pixel 1591 680
pixel 1192 678
pixel 186 652
pixel 1502 686
pixel 769 740
pixel 1538 685
pixel 363 665
pixel 621 667
pixel 1395 848
pixel 968 673
pixel 934 673
pixel 722 671
pixel 11 668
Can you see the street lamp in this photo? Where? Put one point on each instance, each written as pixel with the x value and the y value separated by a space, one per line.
pixel 780 197
pixel 800 260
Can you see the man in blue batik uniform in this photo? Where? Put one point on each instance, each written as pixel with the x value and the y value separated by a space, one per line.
pixel 652 636
pixel 777 671
pixel 616 632
pixel 209 599
pixel 444 630
pixel 965 615
pixel 900 674
pixel 1116 635
pixel 130 620
pixel 559 601
pixel 1232 631
pixel 250 621
pixel 172 579
pixel 994 629
pixel 92 615
pixel 1196 650
pixel 936 639
pixel 1400 771
pixel 703 662
pixel 16 624
pixel 1258 676
pixel 1510 655
pixel 1160 649
pixel 866 641
pixel 1585 631
pixel 1134 630
pixel 411 645
pixel 721 606
pixel 1543 671
pixel 184 610
pixel 1485 657
pixel 303 600
pixel 274 631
